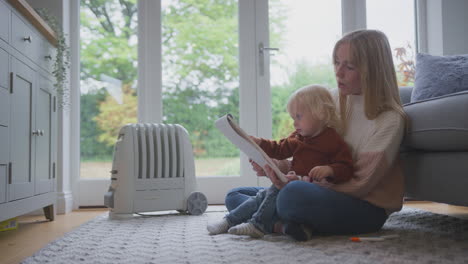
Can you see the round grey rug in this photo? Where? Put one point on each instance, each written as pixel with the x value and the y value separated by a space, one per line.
pixel 423 237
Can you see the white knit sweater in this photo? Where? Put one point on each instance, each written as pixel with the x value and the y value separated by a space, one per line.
pixel 378 177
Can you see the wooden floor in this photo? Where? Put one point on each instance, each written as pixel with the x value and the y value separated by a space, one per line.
pixel 34 232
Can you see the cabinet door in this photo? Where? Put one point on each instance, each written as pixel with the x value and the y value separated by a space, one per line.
pixel 44 169
pixel 4 121
pixel 21 184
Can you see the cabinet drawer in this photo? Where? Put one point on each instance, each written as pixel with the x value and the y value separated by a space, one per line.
pixel 24 39
pixel 47 54
pixel 4 22
pixel 4 145
pixel 4 107
pixel 4 70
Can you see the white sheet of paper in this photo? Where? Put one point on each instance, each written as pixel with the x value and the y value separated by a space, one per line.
pixel 231 130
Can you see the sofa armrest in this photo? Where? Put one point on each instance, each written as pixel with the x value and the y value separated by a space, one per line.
pixel 405 94
pixel 438 124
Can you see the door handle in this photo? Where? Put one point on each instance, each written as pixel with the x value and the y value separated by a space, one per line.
pixel 262 49
pixel 261 57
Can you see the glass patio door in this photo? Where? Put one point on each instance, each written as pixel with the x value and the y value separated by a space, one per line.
pixel 209 68
pixel 209 58
pixel 284 45
pixel 108 88
pixel 305 40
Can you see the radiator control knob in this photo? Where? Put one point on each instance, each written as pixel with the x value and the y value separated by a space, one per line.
pixel 197 203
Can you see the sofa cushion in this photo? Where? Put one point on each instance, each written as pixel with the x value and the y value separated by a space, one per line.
pixel 439 75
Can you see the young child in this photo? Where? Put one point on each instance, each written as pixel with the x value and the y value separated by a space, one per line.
pixel 318 153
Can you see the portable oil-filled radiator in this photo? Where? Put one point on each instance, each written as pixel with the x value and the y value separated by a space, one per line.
pixel 153 170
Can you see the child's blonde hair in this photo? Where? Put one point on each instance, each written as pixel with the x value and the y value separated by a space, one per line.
pixel 370 52
pixel 318 101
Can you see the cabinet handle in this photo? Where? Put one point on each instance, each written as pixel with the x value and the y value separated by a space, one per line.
pixel 28 39
pixel 35 132
pixel 53 171
pixel 10 165
pixel 12 78
pixel 48 57
pixel 41 132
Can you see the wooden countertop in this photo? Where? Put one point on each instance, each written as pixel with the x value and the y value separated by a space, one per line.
pixel 33 17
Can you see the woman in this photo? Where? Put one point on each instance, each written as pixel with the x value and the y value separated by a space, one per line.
pixel 373 118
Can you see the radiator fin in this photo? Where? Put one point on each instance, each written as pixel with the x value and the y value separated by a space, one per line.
pixel 165 152
pixel 150 153
pixel 142 157
pixel 173 150
pixel 159 151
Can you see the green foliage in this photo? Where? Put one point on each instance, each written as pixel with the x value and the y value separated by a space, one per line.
pixel 62 58
pixel 200 60
pixel 108 42
pixel 108 47
pixel 200 69
pixel 303 75
pixel 200 43
pixel 112 116
pixel 90 147
pixel 278 13
pixel 231 168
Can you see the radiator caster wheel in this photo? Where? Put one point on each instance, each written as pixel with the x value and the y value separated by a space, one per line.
pixel 197 203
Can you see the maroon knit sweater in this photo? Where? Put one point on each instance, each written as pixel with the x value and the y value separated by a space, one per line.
pixel 327 148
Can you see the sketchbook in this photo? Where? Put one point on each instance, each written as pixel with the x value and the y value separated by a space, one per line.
pixel 231 130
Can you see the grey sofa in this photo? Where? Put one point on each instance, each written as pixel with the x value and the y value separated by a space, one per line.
pixel 434 151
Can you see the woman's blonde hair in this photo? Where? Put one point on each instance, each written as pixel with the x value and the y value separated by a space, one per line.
pixel 318 101
pixel 371 54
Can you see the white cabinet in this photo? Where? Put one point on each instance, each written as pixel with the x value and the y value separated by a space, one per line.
pixel 28 110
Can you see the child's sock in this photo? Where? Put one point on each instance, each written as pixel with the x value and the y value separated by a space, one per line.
pixel 297 231
pixel 218 227
pixel 246 229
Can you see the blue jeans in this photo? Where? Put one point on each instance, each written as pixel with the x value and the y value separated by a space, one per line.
pixel 258 209
pixel 323 210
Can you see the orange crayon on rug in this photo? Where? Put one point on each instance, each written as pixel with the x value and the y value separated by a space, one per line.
pixel 379 238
